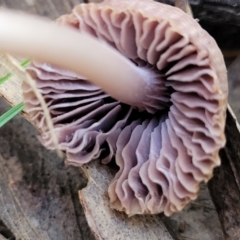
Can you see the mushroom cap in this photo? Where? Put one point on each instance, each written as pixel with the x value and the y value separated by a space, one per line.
pixel 162 157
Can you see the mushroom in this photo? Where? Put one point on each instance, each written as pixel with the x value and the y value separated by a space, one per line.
pixel 160 114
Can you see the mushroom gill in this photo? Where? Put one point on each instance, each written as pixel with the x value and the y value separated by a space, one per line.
pixel 163 151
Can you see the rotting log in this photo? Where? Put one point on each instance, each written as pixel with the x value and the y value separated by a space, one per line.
pixel 225 185
pixel 104 222
pixel 110 224
pixel 133 227
pixel 214 11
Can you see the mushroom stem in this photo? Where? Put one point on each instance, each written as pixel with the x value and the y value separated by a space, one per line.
pixel 39 38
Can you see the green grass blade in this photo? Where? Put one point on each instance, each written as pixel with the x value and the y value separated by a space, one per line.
pixel 8 75
pixel 10 114
pixel 25 62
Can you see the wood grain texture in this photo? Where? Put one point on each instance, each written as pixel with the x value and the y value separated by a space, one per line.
pixel 224 186
pixel 110 224
pixel 104 222
pixel 38 194
pixel 213 10
pixel 192 223
pixel 234 86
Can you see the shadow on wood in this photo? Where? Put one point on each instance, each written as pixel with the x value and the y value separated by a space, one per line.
pixel 225 185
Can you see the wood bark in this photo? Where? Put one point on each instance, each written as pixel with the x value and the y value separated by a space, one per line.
pixel 108 224
pixel 225 185
pixel 214 11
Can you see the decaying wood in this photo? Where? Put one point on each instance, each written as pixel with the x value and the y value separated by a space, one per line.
pixel 225 185
pixel 193 223
pixel 110 224
pixel 5 233
pixel 214 11
pixel 38 194
pixel 104 222
pixel 44 187
pixel 234 86
pixel 226 198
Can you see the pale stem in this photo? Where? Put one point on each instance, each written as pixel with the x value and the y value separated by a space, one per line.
pixel 40 39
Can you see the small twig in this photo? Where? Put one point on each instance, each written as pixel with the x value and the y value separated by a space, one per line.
pixel 234 117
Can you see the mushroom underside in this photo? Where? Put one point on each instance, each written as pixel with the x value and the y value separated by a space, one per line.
pixel 162 157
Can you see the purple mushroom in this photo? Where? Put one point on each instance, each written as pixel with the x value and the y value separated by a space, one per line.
pixel 159 112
